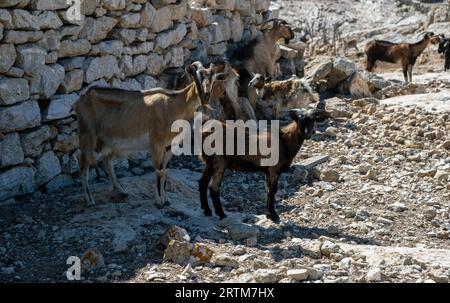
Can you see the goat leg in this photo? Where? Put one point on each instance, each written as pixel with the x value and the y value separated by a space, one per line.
pixel 410 69
pixel 109 166
pixel 271 189
pixel 166 158
pixel 84 174
pixel 203 188
pixel 214 190
pixel 159 189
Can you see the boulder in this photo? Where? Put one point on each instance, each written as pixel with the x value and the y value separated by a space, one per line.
pixel 101 67
pixel 130 66
pixel 178 252
pixel 338 108
pixel 111 47
pixel 355 86
pixel 22 19
pixel 73 81
pixel 60 107
pixel 225 260
pixel 128 84
pixel 266 276
pixel 162 20
pixel 19 117
pixel 7 58
pixel 241 231
pixel 49 5
pixel 20 37
pixel 318 69
pixel 175 233
pixel 69 48
pixel 16 181
pixel 48 167
pixel 10 150
pixel 96 30
pixel 49 20
pixel 30 57
pixel 374 81
pixel 131 20
pixel 33 141
pixel 13 90
pixel 58 183
pixel 169 38
pixel 46 79
pixel 297 274
pixel 14 3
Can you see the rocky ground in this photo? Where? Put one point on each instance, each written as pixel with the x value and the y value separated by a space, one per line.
pixel 377 209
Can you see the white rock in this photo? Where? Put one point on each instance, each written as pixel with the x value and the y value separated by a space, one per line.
pixel 373 275
pixel 298 274
pixel 266 276
pixel 241 231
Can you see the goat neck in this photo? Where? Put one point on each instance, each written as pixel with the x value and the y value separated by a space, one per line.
pixel 187 102
pixel 272 36
pixel 420 46
pixel 292 139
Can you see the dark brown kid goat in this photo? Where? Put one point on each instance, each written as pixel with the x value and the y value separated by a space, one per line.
pixel 289 143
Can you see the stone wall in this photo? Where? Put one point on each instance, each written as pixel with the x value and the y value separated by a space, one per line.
pixel 48 59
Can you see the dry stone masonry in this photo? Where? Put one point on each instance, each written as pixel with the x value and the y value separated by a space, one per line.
pixel 48 59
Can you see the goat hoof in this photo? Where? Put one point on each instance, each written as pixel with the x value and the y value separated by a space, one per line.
pixel 123 195
pixel 207 212
pixel 159 206
pixel 222 216
pixel 274 217
pixel 167 203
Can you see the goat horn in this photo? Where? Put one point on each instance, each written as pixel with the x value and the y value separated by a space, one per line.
pixel 297 114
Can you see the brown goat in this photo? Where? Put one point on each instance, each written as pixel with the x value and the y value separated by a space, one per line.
pixel 283 95
pixel 289 143
pixel 405 53
pixel 259 56
pixel 114 122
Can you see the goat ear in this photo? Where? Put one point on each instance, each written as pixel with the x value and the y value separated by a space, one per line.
pixel 293 114
pixel 297 114
pixel 268 25
pixel 191 69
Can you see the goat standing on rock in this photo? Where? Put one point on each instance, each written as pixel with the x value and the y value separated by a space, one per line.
pixel 290 140
pixel 114 122
pixel 406 53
